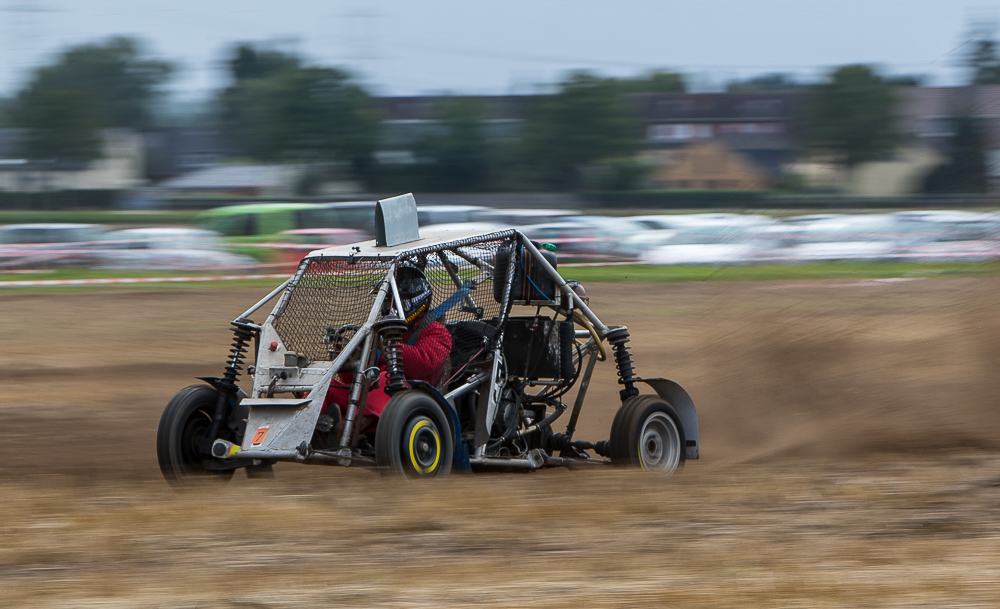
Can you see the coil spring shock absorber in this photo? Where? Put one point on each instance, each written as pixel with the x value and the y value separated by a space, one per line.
pixel 618 338
pixel 391 329
pixel 243 331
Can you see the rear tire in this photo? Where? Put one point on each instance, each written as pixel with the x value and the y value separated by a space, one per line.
pixel 413 438
pixel 647 434
pixel 185 421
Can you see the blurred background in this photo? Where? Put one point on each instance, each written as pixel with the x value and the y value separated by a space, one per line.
pixel 850 437
pixel 649 135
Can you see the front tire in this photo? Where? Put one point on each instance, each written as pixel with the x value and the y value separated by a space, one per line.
pixel 647 434
pixel 185 421
pixel 413 438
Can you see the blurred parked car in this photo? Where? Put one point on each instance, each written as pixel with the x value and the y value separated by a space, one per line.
pixel 428 215
pixel 706 229
pixel 706 244
pixel 166 249
pixel 525 217
pixel 48 245
pixel 596 240
pixel 293 245
pixel 669 221
pixel 847 237
pixel 478 227
pixel 947 234
pixel 52 233
pixel 810 218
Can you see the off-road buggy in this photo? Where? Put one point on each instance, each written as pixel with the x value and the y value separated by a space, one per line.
pixel 522 338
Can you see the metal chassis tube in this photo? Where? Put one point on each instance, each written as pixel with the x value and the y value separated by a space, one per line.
pixel 356 390
pixel 563 288
pixel 293 455
pixel 486 409
pixel 226 386
pixel 536 459
pixel 617 336
pixel 264 300
pixel 471 384
pixel 364 337
pixel 227 390
pixel 455 279
pixel 581 393
pixel 395 292
pixel 359 375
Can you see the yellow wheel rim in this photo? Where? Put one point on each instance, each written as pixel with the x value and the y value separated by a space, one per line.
pixel 413 452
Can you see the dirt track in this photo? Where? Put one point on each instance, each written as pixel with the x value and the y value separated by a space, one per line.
pixel 849 441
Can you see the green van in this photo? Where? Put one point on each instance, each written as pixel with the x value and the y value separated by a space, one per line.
pixel 256 219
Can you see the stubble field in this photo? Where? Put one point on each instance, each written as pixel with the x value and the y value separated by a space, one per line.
pixel 850 457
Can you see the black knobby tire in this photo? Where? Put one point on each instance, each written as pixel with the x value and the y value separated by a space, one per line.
pixel 413 438
pixel 647 434
pixel 184 422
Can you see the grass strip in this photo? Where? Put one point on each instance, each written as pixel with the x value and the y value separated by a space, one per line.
pixel 806 270
pixel 595 274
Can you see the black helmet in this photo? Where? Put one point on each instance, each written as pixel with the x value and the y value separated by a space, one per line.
pixel 414 291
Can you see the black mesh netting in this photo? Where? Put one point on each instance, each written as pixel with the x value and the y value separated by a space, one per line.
pixel 328 295
pixel 333 293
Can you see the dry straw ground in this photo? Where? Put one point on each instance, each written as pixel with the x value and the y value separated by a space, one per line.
pixel 850 458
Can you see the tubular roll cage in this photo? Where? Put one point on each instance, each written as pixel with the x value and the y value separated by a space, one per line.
pixel 317 383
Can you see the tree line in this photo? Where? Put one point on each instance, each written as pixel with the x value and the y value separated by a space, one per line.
pixel 278 107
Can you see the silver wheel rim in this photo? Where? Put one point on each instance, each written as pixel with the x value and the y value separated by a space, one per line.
pixel 659 444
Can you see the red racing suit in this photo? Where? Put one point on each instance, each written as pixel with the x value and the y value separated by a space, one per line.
pixel 422 361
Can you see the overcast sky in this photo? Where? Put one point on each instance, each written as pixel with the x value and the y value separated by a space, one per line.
pixel 404 47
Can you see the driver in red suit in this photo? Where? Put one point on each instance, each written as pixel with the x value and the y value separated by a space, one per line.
pixel 426 347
